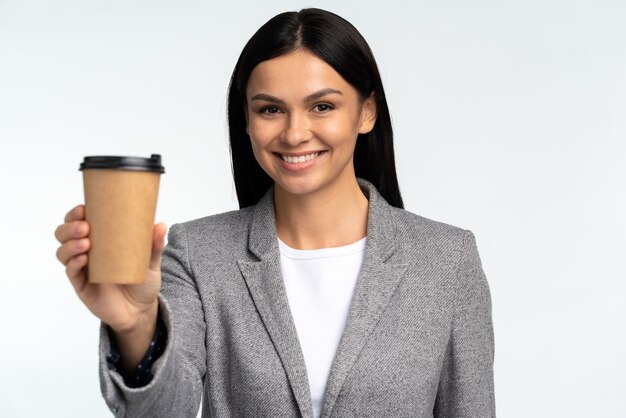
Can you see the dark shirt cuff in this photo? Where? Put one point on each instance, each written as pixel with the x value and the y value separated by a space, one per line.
pixel 142 374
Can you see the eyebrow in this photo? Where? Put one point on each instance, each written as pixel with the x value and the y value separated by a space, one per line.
pixel 309 98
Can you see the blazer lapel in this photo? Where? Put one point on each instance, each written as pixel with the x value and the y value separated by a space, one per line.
pixel 265 282
pixel 377 281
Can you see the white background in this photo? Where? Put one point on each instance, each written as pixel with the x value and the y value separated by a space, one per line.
pixel 509 121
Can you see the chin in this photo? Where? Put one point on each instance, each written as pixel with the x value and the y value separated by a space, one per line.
pixel 298 186
pixel 297 189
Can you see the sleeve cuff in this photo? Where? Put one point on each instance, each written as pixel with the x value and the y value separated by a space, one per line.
pixel 142 374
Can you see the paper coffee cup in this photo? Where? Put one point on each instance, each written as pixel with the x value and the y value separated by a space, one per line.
pixel 120 203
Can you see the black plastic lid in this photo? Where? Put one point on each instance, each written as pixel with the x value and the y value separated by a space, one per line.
pixel 124 163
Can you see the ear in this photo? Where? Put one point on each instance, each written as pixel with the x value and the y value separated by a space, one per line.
pixel 369 111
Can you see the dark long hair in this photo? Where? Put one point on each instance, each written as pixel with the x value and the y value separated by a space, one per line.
pixel 339 44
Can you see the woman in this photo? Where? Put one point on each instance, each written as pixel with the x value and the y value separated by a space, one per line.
pixel 321 296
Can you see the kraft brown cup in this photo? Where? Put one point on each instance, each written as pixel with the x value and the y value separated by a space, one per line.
pixel 120 205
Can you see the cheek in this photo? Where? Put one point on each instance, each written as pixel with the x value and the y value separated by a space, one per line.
pixel 261 132
pixel 342 131
pixel 259 140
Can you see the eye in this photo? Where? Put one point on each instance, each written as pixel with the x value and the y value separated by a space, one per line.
pixel 323 107
pixel 269 110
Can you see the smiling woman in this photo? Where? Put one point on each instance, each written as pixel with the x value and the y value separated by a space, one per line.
pixel 321 296
pixel 303 120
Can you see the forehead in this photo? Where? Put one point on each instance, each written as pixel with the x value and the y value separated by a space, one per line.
pixel 297 73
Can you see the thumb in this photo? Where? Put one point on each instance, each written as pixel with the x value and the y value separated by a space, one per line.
pixel 158 242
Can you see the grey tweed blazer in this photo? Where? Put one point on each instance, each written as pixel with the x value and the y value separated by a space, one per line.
pixel 418 341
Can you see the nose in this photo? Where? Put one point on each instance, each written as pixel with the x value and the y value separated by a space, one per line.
pixel 297 130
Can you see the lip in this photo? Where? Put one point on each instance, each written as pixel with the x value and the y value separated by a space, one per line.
pixel 296 167
pixel 298 154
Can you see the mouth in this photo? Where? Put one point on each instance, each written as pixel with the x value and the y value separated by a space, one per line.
pixel 299 158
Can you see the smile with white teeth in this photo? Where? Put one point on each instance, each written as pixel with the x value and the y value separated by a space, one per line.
pixel 300 159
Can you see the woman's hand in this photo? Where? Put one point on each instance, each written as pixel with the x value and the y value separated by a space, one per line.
pixel 129 310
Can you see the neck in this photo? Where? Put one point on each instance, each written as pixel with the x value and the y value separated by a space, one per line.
pixel 331 217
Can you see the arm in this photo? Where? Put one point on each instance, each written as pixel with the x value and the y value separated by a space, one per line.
pixel 466 386
pixel 176 388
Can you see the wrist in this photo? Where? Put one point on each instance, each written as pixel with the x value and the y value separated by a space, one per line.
pixel 134 341
pixel 144 320
pixel 141 374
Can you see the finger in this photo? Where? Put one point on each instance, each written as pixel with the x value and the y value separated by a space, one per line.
pixel 76 273
pixel 71 230
pixel 72 248
pixel 158 242
pixel 76 214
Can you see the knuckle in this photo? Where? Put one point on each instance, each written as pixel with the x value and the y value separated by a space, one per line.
pixel 82 228
pixel 60 255
pixel 82 245
pixel 76 229
pixel 61 233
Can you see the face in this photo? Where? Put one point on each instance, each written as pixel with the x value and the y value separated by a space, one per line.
pixel 303 120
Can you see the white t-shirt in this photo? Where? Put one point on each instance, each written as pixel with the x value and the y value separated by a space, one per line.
pixel 319 285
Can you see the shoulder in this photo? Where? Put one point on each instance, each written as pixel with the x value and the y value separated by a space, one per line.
pixel 410 232
pixel 232 222
pixel 447 253
pixel 410 226
pixel 415 234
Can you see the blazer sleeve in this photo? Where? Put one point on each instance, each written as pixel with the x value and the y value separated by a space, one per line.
pixel 466 386
pixel 176 388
